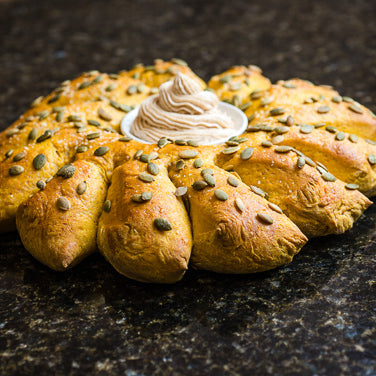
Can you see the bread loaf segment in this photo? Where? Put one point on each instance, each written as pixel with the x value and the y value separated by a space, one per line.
pixel 230 238
pixel 317 206
pixel 128 235
pixel 58 225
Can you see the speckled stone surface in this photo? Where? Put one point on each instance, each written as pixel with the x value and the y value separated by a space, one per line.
pixel 316 316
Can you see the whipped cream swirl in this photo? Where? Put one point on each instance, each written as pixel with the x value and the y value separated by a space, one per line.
pixel 182 110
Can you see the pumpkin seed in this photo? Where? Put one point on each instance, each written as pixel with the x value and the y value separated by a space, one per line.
pixel 353 138
pixel 16 170
pixel 11 132
pixel 153 155
pixel 36 101
pixel 54 99
pixel 266 218
pixel 225 79
pixel 124 139
pixel 81 188
pixel 232 143
pixel 199 185
pixel 209 179
pixel 319 125
pixel 239 204
pixel 301 162
pixel 281 129
pixel 63 203
pixel 266 144
pixel 107 206
pixel 275 207
pixel 246 154
pixel 102 150
pixel 98 79
pixel 152 168
pixel 372 159
pixel 146 196
pixel 198 163
pixel 283 149
pixel 290 121
pixel 233 181
pixel 245 106
pixel 84 85
pixel 145 177
pixel 323 109
pixel 337 99
pixel 321 169
pixel 265 101
pixel 92 136
pixel 111 87
pixel 193 143
pixel 207 171
pixel 141 88
pixel 231 150
pixel 257 190
pixel 355 108
pixel 104 115
pixel 162 142
pixel 82 149
pixel 137 198
pixel 251 118
pixel 41 184
pixel 256 94
pixel 46 135
pixel 43 114
pixel 340 136
pixel 9 153
pixel 277 111
pixel 188 154
pixel 289 85
pixel 180 142
pixel 74 118
pixel 39 161
pixel 352 186
pixel 331 129
pixel 180 164
pixel 348 99
pixel 137 154
pixel 180 62
pixel 370 142
pixel 19 156
pixel 277 139
pixel 181 191
pixel 162 224
pixel 66 171
pixel 234 86
pixel 328 176
pixel 309 161
pixel 94 123
pixel 132 89
pixel 144 158
pixel 306 128
pixel 220 195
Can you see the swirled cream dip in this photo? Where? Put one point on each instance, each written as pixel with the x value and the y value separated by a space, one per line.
pixel 182 110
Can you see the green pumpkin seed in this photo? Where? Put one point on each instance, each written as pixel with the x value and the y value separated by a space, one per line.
pixel 54 99
pixel 235 86
pixel 84 85
pixel 74 118
pixel 256 94
pixel 209 179
pixel 275 207
pixel 348 99
pixel 33 134
pixel 351 186
pixel 41 184
pixel 207 171
pixel 245 106
pixel 266 218
pixel 281 129
pixel 39 161
pixel 162 142
pixel 277 111
pixel 257 190
pixel 266 144
pixel 42 115
pixel 231 150
pixel 301 162
pixel 283 149
pixel 319 125
pixel 225 79
pixel 289 85
pixel 82 149
pixel 124 139
pixel 66 171
pixel 370 142
pixel 35 102
pixel 340 136
pixel 146 196
pixel 132 89
pixel 92 136
pixel 63 203
pixel 94 123
pixel 198 163
pixel 265 101
pixel 323 109
pixel 104 115
pixel 145 177
pixel 188 154
pixel 162 224
pixel 144 158
pixel 355 108
pixel 246 154
pixel 180 62
pixel 11 132
pixel 9 153
pixel 181 191
pixel 98 79
pixel 328 176
pixel 251 118
pixel 372 159
pixel 152 168
pixel 111 87
pixel 309 161
pixel 337 99
pixel 180 142
pixel 353 138
pixel 19 156
pixel 46 135
pixel 290 121
pixel 220 195
pixel 306 128
pixel 180 164
pixel 81 188
pixel 193 143
pixel 137 198
pixel 331 129
pixel 239 204
pixel 277 139
pixel 233 181
pixel 102 150
pixel 137 154
pixel 199 185
pixel 107 206
pixel 16 170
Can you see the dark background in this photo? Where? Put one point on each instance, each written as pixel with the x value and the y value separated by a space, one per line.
pixel 316 316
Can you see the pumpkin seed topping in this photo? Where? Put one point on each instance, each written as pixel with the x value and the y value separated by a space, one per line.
pixel 16 170
pixel 257 190
pixel 39 161
pixel 81 188
pixel 95 123
pixel 98 79
pixel 225 79
pixel 340 136
pixel 231 150
pixel 94 135
pixel 137 198
pixel 181 191
pixel 277 111
pixel 256 94
pixel 137 154
pixel 207 171
pixel 9 153
pixel 82 149
pixel 124 139
pixel 234 86
pixel 283 149
pixel 66 171
pixel 328 176
pixel 239 204
pixel 193 143
pixel 162 142
pixel 220 195
pixel 152 168
pixel 111 87
pixel 43 114
pixel 370 141
pixel 180 62
pixel 132 89
pixel 11 132
pixel 355 108
pixel 290 121
pixel 306 128
pixel 144 158
pixel 188 154
pixel 348 99
pixel 319 125
pixel 104 115
pixel 331 129
pixel 353 138
pixel 233 181
pixel 107 206
pixel 309 161
pixel 246 154
pixel 351 186
pixel 266 218
pixel 209 179
pixel 198 163
pixel 245 106
pixel 323 109
pixel 180 142
pixel 36 101
pixel 84 85
pixel 372 159
pixel 275 207
pixel 63 203
pixel 337 99
pixel 41 184
pixel 265 101
pixel 180 164
pixel 277 139
pixel 102 150
pixel 281 129
pixel 19 156
pixel 74 118
pixel 162 224
pixel 199 185
pixel 266 144
pixel 60 116
pixel 46 135
pixel 145 177
pixel 289 85
pixel 146 196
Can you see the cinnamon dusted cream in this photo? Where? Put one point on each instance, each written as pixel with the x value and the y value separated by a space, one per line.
pixel 182 110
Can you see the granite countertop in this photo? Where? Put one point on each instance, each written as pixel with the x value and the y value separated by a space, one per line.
pixel 315 316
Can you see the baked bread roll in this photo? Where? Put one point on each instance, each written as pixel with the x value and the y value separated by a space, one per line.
pixel 204 200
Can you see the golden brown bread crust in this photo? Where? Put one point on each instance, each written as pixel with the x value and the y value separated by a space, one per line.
pixel 263 237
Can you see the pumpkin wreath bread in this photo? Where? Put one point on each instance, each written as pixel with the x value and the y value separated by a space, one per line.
pixel 71 183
